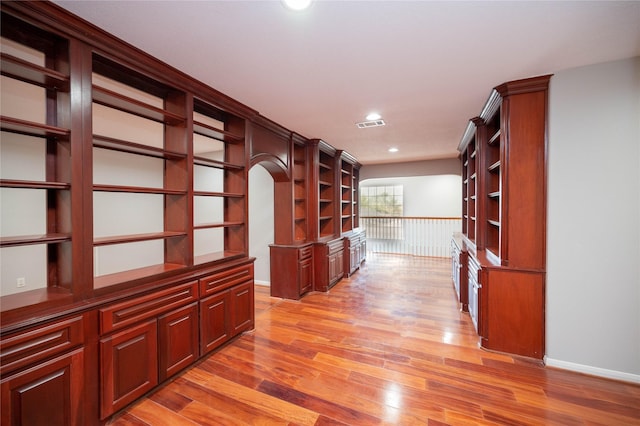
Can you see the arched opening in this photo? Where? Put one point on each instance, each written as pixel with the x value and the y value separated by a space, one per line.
pixel 261 221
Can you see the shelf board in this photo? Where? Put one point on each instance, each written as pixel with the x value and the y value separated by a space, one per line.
pixel 25 240
pixel 300 219
pixel 325 200
pixel 494 167
pixel 323 218
pixel 31 73
pixel 217 194
pixel 325 183
pixel 494 194
pixel 30 128
pixel 32 184
pixel 493 222
pixel 108 280
pixel 213 257
pixel 134 238
pixel 123 103
pixel 202 161
pixel 494 138
pixel 217 225
pixel 134 148
pixel 212 132
pixel 54 296
pixel 324 166
pixel 136 190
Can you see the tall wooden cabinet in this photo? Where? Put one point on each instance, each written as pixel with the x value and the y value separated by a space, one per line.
pixel 503 155
pixel 128 260
pixel 326 243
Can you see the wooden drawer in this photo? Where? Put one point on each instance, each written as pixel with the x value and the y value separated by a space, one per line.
pixel 41 342
pixel 135 310
pixel 305 252
pixel 225 279
pixel 335 246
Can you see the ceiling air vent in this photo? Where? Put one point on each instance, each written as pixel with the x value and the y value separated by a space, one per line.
pixel 372 123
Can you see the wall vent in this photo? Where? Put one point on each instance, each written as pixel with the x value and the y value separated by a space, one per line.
pixel 372 123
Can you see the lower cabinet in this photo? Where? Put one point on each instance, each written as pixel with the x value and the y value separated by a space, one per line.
pixel 227 306
pixel 242 308
pixel 355 251
pixel 512 311
pixel 80 369
pixel 128 365
pixel 177 340
pixel 214 322
pixel 225 315
pixel 328 264
pixel 473 291
pixel 506 306
pixel 49 393
pixel 291 270
pixel 459 272
pixel 43 374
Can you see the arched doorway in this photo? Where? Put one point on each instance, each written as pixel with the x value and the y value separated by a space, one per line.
pixel 261 221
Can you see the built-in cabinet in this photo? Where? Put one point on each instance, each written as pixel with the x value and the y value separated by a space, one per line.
pixel 124 203
pixel 127 260
pixel 503 153
pixel 459 271
pixel 326 243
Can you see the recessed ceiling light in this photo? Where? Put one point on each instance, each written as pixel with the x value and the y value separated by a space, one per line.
pixel 373 116
pixel 297 4
pixel 393 149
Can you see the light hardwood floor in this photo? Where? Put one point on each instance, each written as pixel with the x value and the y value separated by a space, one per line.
pixel 386 346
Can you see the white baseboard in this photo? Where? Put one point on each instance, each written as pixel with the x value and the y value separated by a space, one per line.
pixel 594 371
pixel 263 283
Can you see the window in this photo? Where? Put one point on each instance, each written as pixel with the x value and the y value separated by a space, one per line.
pixel 381 200
pixel 380 209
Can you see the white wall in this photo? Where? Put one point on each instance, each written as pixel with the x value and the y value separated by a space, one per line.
pixel 261 221
pixel 428 196
pixel 593 264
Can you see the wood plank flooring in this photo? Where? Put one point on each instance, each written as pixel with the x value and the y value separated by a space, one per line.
pixel 386 346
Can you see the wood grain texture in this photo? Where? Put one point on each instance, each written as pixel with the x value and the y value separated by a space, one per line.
pixel 387 346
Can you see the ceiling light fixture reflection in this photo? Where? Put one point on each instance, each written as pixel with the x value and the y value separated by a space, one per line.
pixel 297 4
pixel 393 149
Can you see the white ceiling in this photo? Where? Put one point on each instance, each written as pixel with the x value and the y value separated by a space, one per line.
pixel 425 66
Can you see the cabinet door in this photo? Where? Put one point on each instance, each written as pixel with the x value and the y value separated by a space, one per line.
pixel 336 267
pixel 242 308
pixel 47 394
pixel 214 321
pixel 128 366
pixel 305 275
pixel 177 340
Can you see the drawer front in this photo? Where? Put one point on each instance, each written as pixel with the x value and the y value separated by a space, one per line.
pixel 335 246
pixel 225 279
pixel 135 310
pixel 305 252
pixel 42 342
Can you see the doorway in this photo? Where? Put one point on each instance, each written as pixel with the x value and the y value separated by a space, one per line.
pixel 261 222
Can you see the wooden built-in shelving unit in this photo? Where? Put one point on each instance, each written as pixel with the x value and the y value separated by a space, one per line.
pixel 129 245
pixel 503 155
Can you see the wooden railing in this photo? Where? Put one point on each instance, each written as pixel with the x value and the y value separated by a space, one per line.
pixel 418 236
